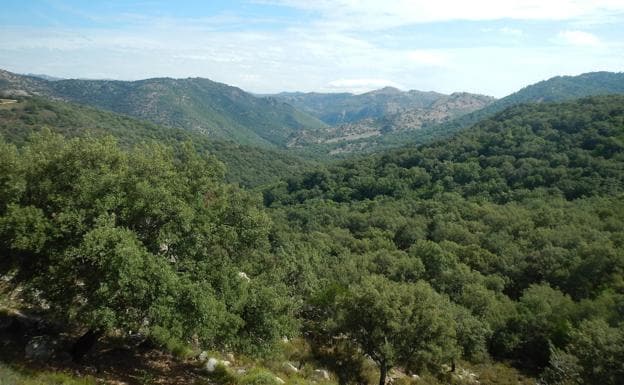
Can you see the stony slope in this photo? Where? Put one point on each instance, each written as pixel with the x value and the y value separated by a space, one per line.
pixel 340 108
pixel 444 109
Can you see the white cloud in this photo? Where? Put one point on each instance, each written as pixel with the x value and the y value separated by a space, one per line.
pixel 360 85
pixel 428 58
pixel 511 31
pixel 374 14
pixel 580 38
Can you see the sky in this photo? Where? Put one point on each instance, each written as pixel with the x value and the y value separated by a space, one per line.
pixel 492 47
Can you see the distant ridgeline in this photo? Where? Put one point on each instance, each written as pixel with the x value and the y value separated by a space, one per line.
pixel 318 124
pixel 246 165
pixel 215 109
pixel 438 116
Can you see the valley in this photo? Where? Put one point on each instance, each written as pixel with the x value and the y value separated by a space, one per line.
pixel 185 231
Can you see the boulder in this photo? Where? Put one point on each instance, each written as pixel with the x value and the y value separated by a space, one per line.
pixel 290 367
pixel 242 275
pixel 211 365
pixel 279 380
pixel 321 374
pixel 40 348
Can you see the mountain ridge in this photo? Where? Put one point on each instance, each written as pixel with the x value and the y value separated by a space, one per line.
pixel 215 109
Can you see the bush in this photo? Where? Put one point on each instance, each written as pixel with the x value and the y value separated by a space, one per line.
pixel 259 377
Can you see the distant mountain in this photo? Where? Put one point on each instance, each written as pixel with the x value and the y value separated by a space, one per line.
pixel 557 89
pixel 340 108
pixel 246 165
pixel 443 109
pixel 215 109
pixel 45 77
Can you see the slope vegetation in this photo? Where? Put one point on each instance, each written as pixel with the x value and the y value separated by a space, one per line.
pixel 246 165
pixel 215 109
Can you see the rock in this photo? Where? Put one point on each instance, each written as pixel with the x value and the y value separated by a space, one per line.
pixel 322 374
pixel 211 365
pixel 285 339
pixel 415 377
pixel 241 371
pixel 279 380
pixel 230 357
pixel 203 356
pixel 290 367
pixel 243 275
pixel 40 348
pixel 225 363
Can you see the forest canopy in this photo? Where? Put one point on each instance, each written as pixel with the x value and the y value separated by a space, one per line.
pixel 503 243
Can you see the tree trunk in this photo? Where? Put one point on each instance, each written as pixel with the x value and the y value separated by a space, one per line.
pixel 383 371
pixel 84 344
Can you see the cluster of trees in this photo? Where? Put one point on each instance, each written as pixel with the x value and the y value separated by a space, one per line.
pixel 505 242
pixel 149 240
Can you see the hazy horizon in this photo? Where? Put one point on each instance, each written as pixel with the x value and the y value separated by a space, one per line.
pixel 271 46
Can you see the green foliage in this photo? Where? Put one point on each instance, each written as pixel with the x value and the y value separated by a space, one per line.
pixel 10 376
pixel 599 349
pixel 397 324
pixel 140 241
pixel 249 166
pixel 518 221
pixel 222 376
pixel 258 377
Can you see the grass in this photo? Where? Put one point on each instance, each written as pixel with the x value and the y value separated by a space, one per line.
pixel 12 376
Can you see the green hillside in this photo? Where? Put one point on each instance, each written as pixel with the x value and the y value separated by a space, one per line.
pixel 557 89
pixel 214 109
pixel 247 165
pixel 519 221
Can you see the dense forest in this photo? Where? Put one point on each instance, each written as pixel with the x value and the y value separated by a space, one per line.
pixel 504 243
pixel 514 227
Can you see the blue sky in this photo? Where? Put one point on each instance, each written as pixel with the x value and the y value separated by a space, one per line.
pixel 485 46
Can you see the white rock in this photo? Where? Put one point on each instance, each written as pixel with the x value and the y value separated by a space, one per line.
pixel 415 376
pixel 290 367
pixel 211 365
pixel 243 275
pixel 230 357
pixel 203 356
pixel 225 363
pixel 322 373
pixel 279 380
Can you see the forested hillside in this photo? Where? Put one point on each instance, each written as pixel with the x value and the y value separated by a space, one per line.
pixel 249 166
pixel 514 228
pixel 453 262
pixel 214 109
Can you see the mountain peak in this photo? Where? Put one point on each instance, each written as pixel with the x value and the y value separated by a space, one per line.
pixel 388 90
